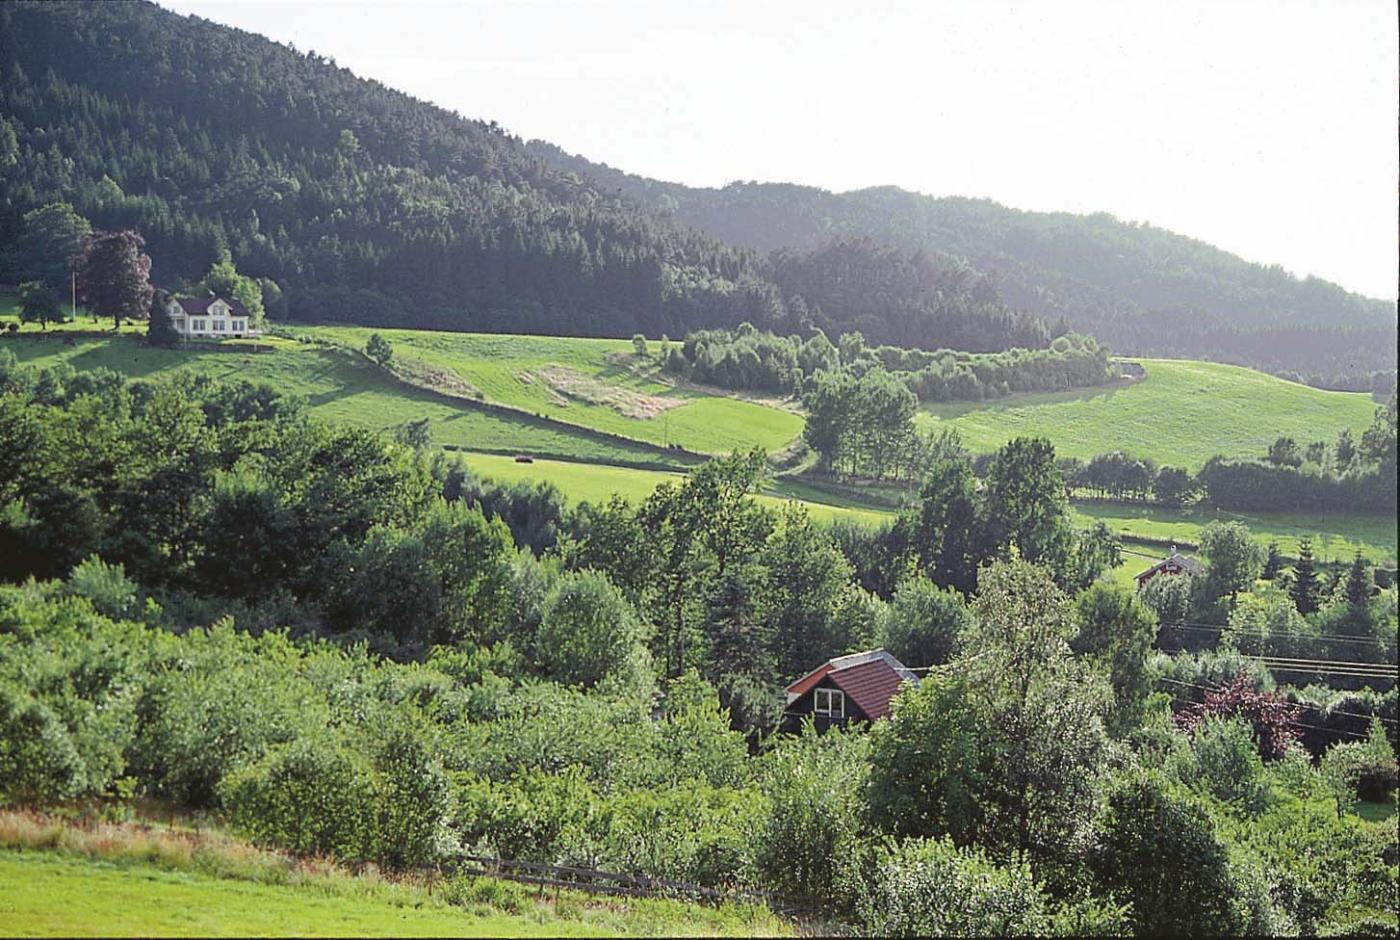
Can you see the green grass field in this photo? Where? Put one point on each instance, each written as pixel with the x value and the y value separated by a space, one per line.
pixel 51 896
pixel 345 389
pixel 45 894
pixel 1336 536
pixel 582 482
pixel 1181 415
pixel 342 387
pixel 593 383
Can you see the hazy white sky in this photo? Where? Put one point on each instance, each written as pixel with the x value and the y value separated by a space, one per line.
pixel 1265 127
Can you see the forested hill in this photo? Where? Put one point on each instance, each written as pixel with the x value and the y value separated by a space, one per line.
pixel 1139 288
pixel 366 205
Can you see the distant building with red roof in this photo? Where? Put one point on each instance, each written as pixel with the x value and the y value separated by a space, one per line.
pixel 857 687
pixel 1175 563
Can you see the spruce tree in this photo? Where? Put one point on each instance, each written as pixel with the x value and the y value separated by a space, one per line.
pixel 1358 583
pixel 1305 586
pixel 1273 563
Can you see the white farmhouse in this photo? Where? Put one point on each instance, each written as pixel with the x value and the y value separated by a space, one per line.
pixel 209 318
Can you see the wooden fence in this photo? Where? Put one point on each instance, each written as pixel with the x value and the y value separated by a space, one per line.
pixel 594 881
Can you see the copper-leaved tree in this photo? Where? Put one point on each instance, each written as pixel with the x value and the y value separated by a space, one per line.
pixel 114 275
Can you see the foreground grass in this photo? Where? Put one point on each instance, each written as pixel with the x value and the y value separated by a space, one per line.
pixel 593 383
pixel 50 896
pixel 59 879
pixel 1182 414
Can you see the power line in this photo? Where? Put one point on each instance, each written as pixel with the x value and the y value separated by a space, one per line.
pixel 1199 627
pixel 1327 662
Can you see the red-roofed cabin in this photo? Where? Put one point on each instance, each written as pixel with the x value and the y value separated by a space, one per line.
pixel 858 687
pixel 1175 563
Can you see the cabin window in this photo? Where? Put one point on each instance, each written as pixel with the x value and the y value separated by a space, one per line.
pixel 830 703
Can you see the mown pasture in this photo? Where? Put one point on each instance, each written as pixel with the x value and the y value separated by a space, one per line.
pixel 1336 536
pixel 582 482
pixel 1182 414
pixel 49 894
pixel 599 384
pixel 345 388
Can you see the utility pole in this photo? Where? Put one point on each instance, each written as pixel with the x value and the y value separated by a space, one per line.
pixel 73 304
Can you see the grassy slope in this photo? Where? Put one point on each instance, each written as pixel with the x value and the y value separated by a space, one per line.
pixel 505 369
pixel 1336 536
pixel 342 389
pixel 51 894
pixel 55 896
pixel 1181 415
pixel 581 482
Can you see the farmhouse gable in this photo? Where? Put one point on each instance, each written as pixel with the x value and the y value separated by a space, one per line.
pixel 858 687
pixel 1175 563
pixel 209 317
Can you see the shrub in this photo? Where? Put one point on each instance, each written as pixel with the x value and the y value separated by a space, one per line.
pixel 588 631
pixel 1227 763
pixel 554 818
pixel 1361 769
pixel 38 762
pixel 311 797
pixel 413 799
pixel 923 622
pixel 1273 718
pixel 693 832
pixel 813 825
pixel 378 350
pixel 925 888
pixel 107 587
pixel 1159 850
pixel 470 891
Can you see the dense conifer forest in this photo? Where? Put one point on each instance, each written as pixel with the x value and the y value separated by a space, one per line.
pixel 1140 289
pixel 365 205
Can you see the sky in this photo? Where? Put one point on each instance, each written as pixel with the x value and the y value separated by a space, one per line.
pixel 1267 127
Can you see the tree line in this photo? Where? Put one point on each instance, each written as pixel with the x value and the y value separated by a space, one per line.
pixel 749 359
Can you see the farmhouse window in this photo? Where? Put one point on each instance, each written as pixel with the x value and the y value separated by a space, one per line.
pixel 197 324
pixel 830 703
pixel 218 326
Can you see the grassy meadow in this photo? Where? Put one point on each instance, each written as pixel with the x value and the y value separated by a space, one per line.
pixel 582 482
pixel 1336 536
pixel 341 386
pixel 1182 414
pixel 594 383
pixel 345 389
pixel 60 878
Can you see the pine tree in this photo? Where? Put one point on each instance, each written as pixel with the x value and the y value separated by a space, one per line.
pixel 1273 564
pixel 1305 586
pixel 1358 583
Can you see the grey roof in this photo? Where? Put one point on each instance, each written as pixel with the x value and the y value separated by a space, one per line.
pixel 1184 562
pixel 200 305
